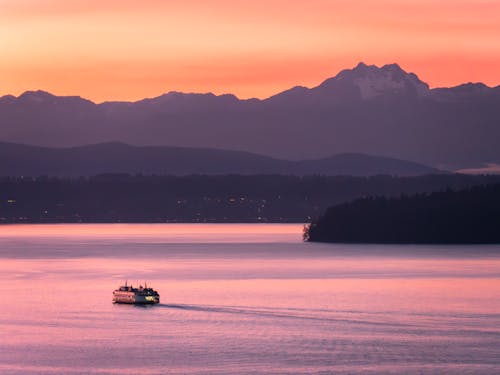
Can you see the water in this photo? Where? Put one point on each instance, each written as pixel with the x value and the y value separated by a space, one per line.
pixel 242 299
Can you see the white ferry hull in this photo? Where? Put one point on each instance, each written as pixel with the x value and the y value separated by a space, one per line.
pixel 134 298
pixel 136 301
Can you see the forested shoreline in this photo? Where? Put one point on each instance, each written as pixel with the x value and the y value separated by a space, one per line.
pixel 198 198
pixel 469 216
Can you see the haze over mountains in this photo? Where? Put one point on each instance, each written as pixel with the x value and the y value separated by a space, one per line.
pixel 370 110
pixel 23 160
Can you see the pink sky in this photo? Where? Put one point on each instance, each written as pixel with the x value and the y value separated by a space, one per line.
pixel 126 50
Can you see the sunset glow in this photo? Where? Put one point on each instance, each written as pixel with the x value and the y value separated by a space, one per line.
pixel 127 50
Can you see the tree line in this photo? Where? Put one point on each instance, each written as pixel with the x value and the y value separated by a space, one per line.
pixel 199 198
pixel 466 216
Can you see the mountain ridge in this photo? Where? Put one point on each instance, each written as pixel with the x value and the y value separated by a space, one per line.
pixel 368 109
pixel 361 68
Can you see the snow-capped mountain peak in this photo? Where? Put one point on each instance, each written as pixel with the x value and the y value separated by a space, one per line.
pixel 373 81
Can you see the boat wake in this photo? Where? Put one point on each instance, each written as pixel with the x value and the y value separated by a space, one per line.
pixel 284 313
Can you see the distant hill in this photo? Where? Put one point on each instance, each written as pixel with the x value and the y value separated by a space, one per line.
pixel 368 109
pixel 24 160
pixel 467 216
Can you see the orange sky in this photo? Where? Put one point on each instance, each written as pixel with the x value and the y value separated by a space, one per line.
pixel 131 49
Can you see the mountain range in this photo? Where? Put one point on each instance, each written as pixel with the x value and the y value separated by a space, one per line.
pixel 23 160
pixel 368 109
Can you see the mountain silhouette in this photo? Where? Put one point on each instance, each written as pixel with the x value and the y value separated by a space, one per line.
pixel 368 109
pixel 23 160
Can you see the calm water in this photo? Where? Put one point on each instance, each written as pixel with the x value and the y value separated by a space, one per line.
pixel 242 299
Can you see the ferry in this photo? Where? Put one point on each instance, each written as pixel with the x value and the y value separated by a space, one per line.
pixel 139 296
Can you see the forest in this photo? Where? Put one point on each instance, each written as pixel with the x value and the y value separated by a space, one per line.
pixel 197 198
pixel 466 216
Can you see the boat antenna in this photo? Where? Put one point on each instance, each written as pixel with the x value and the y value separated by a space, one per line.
pixel 126 281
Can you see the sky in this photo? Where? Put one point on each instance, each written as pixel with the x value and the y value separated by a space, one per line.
pixel 132 49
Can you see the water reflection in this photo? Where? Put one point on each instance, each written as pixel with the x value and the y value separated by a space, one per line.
pixel 245 305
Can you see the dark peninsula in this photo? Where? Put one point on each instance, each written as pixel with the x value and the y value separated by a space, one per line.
pixel 449 217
